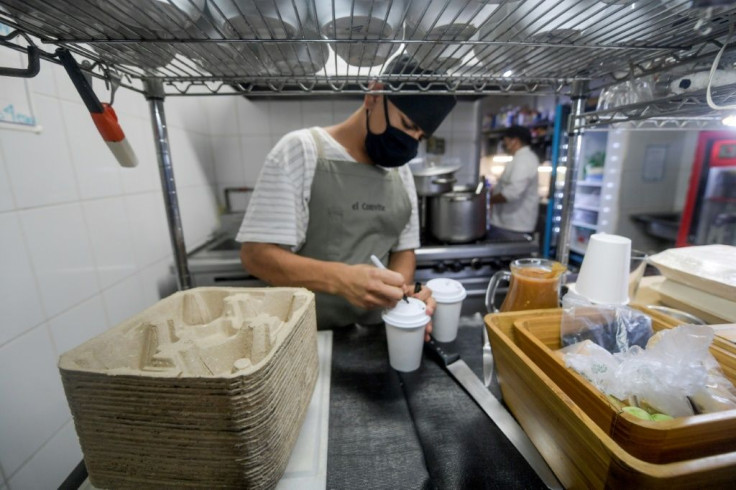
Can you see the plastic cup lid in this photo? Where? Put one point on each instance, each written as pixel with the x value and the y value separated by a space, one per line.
pixel 447 290
pixel 407 315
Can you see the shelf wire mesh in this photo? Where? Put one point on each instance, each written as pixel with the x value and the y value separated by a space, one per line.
pixel 316 46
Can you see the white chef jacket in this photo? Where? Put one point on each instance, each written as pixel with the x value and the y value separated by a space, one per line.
pixel 519 184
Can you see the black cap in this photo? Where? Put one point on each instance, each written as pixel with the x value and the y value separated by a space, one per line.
pixel 521 132
pixel 426 110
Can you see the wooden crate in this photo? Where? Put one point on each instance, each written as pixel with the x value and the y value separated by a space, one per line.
pixel 579 451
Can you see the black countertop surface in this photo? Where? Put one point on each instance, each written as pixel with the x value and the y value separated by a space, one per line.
pixel 412 430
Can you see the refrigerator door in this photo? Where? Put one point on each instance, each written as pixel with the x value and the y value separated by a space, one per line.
pixel 710 211
pixel 717 220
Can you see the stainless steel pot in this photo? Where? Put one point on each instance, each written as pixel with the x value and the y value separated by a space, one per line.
pixel 432 181
pixel 458 217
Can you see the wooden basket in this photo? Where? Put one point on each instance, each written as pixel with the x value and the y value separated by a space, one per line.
pixel 656 442
pixel 207 388
pixel 580 452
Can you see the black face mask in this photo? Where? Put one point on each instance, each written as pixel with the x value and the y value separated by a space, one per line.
pixel 393 147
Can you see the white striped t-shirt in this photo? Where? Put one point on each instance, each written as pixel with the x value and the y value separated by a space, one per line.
pixel 278 211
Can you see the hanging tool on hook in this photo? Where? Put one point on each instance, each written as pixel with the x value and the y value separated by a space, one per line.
pixel 102 114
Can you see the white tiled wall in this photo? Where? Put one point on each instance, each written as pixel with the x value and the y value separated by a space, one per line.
pixel 84 244
pixel 245 131
pixel 459 132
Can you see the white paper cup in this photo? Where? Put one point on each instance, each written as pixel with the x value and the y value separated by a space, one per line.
pixel 449 295
pixel 604 273
pixel 405 334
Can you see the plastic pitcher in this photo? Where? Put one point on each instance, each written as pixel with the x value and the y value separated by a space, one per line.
pixel 533 284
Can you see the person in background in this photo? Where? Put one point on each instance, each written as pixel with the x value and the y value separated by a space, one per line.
pixel 515 198
pixel 329 198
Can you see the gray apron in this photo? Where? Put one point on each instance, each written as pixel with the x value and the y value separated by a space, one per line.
pixel 355 210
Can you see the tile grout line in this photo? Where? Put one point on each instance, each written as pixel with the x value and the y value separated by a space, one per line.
pixel 45 443
pixel 93 199
pixel 3 480
pixel 5 171
pixel 79 303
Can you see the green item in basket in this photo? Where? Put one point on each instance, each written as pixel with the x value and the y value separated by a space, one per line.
pixel 661 417
pixel 638 412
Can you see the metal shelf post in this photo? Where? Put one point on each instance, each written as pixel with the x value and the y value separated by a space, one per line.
pixel 575 142
pixel 155 95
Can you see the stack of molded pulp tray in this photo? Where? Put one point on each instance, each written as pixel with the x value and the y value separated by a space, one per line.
pixel 700 280
pixel 207 388
pixel 588 441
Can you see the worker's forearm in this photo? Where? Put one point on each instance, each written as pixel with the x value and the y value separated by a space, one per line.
pixel 498 198
pixel 280 267
pixel 405 263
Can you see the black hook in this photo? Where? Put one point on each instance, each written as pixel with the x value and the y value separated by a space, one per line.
pixel 34 65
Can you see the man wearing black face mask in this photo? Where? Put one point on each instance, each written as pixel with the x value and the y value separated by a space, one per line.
pixel 329 198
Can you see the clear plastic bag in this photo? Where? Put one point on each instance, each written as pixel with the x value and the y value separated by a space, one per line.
pixel 592 361
pixel 615 328
pixel 675 375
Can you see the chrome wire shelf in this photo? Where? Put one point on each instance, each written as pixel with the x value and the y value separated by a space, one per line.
pixel 689 110
pixel 264 47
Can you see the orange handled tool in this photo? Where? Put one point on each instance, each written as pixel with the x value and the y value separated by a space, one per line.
pixel 102 114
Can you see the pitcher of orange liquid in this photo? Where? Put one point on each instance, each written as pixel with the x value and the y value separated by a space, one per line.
pixel 533 284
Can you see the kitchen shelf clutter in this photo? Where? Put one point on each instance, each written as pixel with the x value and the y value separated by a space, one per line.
pixel 311 46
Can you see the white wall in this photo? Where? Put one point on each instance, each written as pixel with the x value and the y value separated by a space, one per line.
pixel 637 195
pixel 83 245
pixel 461 138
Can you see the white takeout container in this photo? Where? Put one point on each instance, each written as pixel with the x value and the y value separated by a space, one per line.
pixel 263 19
pixel 457 20
pixel 449 295
pixel 361 20
pixel 405 334
pixel 297 59
pixel 157 15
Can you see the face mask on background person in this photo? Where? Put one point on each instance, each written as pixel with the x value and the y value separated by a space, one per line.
pixel 393 147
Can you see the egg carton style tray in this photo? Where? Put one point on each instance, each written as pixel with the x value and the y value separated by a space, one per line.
pixel 207 388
